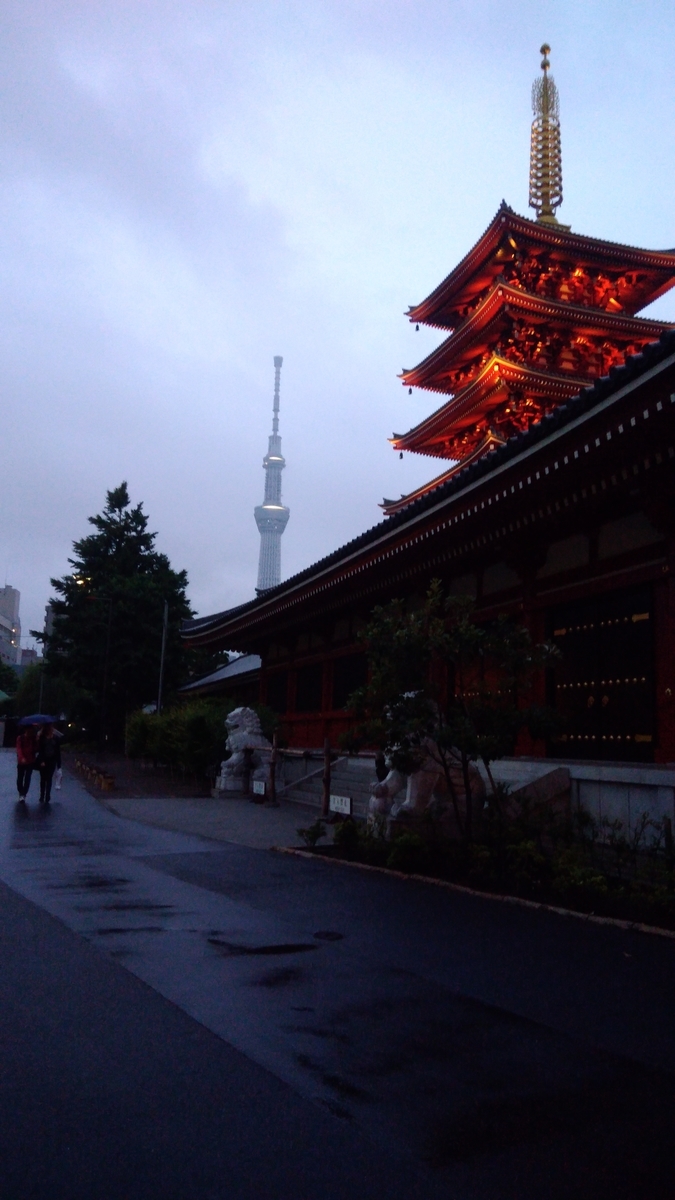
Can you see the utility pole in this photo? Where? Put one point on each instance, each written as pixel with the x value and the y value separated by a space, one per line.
pixel 165 627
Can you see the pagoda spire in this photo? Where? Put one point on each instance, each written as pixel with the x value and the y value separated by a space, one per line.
pixel 546 192
pixel 272 516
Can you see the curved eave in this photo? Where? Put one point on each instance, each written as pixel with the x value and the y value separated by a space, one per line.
pixel 240 624
pixel 496 375
pixel 508 221
pixel 489 442
pixel 503 296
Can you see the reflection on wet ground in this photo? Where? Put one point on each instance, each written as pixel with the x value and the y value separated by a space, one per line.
pixel 359 992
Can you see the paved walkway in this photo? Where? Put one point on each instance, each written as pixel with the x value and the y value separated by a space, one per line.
pixel 469 1049
pixel 233 820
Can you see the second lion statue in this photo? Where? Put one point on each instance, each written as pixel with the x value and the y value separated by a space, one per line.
pixel 429 793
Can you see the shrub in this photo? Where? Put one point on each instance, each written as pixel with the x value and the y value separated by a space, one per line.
pixel 526 864
pixel 138 734
pixel 191 737
pixel 409 852
pixel 346 836
pixel 571 873
pixel 373 847
pixel 312 834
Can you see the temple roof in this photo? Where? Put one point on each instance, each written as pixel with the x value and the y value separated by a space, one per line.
pixel 497 377
pixel 479 268
pixel 230 622
pixel 479 329
pixel 490 442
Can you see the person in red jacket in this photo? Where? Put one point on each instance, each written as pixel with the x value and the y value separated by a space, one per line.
pixel 26 744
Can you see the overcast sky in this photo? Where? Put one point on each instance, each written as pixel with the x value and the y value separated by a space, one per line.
pixel 188 189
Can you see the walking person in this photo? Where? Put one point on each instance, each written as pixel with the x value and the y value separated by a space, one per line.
pixel 48 759
pixel 26 745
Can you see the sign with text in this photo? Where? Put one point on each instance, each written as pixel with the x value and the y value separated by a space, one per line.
pixel 258 787
pixel 341 804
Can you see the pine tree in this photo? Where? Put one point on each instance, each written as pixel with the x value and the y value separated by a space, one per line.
pixel 108 616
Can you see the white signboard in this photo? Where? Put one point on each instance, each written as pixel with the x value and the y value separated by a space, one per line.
pixel 341 804
pixel 258 787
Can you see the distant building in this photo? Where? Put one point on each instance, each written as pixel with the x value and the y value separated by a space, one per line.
pixel 28 657
pixel 10 626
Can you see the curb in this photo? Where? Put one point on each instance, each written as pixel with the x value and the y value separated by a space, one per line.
pixel 520 901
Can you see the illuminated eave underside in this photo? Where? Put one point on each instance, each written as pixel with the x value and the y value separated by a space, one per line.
pixel 475 400
pixel 502 298
pixel 448 294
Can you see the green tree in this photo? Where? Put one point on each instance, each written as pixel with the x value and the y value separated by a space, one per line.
pixel 441 684
pixel 9 680
pixel 51 693
pixel 200 661
pixel 108 616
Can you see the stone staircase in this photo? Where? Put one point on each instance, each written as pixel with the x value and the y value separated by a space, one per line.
pixel 351 777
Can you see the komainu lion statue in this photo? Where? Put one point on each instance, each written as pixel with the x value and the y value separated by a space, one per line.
pixel 243 735
pixel 428 795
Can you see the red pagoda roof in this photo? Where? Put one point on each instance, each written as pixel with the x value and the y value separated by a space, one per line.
pixel 509 234
pixel 483 327
pixel 472 406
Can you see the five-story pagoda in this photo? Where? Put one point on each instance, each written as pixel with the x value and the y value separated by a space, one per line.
pixel 535 311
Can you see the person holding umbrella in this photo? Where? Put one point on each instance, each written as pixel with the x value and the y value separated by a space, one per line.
pixel 26 744
pixel 48 758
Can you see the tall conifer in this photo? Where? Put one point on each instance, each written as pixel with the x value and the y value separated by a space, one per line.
pixel 108 616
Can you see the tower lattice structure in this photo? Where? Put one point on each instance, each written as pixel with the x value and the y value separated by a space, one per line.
pixel 534 314
pixel 271 516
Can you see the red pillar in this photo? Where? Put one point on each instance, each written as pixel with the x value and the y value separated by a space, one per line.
pixel 664 659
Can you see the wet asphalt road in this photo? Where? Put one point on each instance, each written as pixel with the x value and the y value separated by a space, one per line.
pixel 185 1019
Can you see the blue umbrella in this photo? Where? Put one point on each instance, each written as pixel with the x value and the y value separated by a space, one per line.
pixel 38 719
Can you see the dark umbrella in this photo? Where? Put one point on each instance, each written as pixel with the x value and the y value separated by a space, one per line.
pixel 38 719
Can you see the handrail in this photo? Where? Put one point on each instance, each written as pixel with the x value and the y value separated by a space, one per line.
pixel 311 775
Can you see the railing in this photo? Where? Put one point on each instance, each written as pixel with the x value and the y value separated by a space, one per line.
pixel 310 775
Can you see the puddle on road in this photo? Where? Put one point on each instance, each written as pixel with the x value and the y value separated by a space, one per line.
pixel 130 929
pixel 123 907
pixel 91 883
pixel 232 949
pixel 279 977
pixel 331 1079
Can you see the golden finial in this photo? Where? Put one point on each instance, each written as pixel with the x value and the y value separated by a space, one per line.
pixel 545 157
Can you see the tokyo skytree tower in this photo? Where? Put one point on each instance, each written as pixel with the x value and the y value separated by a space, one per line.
pixel 271 516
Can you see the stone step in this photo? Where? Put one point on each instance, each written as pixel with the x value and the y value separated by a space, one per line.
pixel 354 783
pixel 337 784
